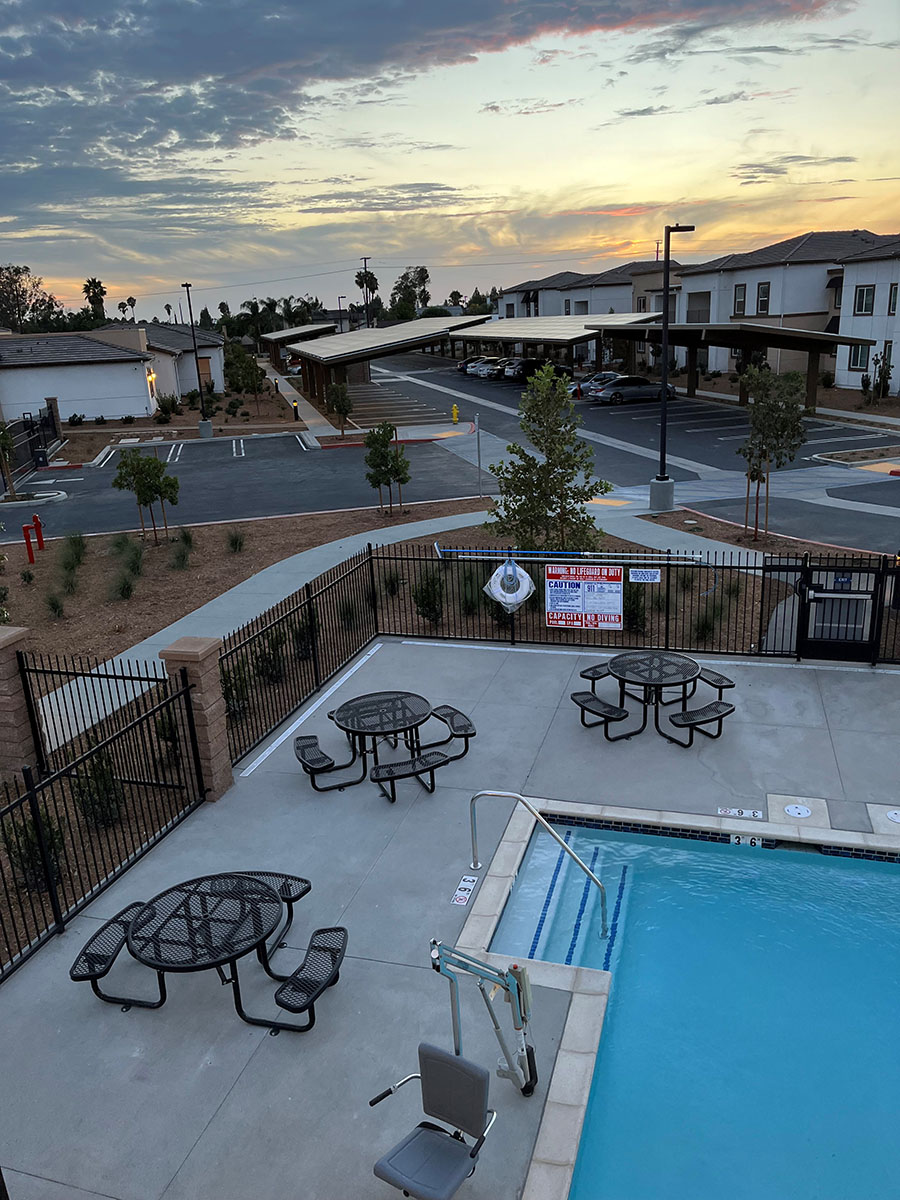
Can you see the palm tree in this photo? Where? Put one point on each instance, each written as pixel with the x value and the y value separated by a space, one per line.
pixel 168 308
pixel 287 312
pixel 252 307
pixel 7 449
pixel 94 291
pixel 131 302
pixel 122 307
pixel 270 312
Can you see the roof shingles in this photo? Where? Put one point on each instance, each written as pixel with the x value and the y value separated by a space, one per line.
pixel 61 349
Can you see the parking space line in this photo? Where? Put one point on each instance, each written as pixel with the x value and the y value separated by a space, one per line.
pixel 175 452
pixel 300 442
pixel 237 448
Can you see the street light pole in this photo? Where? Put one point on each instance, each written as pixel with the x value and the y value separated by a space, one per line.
pixel 662 488
pixel 187 288
pixel 340 315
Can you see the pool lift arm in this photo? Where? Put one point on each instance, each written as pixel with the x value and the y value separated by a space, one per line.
pixel 520 1066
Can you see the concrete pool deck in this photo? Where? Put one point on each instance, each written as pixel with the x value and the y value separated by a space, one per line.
pixel 190 1102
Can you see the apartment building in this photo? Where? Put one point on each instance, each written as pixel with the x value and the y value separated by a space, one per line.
pixel 569 293
pixel 868 308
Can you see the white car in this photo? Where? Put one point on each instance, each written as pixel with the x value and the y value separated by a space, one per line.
pixel 484 368
pixel 472 368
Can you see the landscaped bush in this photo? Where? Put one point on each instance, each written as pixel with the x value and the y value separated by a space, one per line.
pixel 123 588
pixel 235 541
pixel 634 616
pixel 180 556
pixel 733 587
pixel 100 420
pixel 54 605
pixel 168 736
pixel 69 583
pixel 161 418
pixel 470 594
pixel 186 537
pixel 428 597
pixel 27 576
pixel 74 551
pixel 75 419
pixel 704 625
pixel 23 849
pixel 128 419
pixel 392 581
pixel 120 543
pixel 347 613
pixel 97 793
pixel 168 403
pixel 235 690
pixel 304 633
pixel 828 379
pixel 133 559
pixel 268 657
pixel 734 378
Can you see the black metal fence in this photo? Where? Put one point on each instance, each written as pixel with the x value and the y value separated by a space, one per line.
pixel 66 835
pixel 30 433
pixel 732 603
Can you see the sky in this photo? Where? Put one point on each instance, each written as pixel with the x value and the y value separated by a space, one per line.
pixel 262 149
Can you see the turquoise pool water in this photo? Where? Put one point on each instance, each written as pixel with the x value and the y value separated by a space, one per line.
pixel 750 1049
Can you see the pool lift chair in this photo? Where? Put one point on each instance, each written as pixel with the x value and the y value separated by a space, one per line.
pixel 518 1066
pixel 431 1163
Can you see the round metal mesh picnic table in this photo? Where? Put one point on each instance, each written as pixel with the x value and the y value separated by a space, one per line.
pixel 653 668
pixel 204 923
pixel 382 712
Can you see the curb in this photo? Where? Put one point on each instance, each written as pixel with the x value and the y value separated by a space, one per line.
pixel 40 498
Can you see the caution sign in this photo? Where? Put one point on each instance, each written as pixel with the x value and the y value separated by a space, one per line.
pixel 583 596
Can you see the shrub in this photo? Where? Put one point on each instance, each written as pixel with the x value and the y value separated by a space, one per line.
pixel 828 379
pixel 74 550
pixel 392 581
pixel 428 597
pixel 235 541
pixel 685 579
pixel 69 583
pixel 128 419
pixel 97 793
pixel 704 625
pixel 304 633
pixel 54 605
pixel 734 377
pixel 133 559
pixel 161 418
pixel 235 690
pixel 27 576
pixel 4 594
pixel 167 403
pixel 347 613
pixel 470 594
pixel 100 420
pixel 658 601
pixel 168 736
pixel 186 537
pixel 23 848
pixel 733 587
pixel 75 419
pixel 180 556
pixel 268 657
pixel 193 398
pixel 634 615
pixel 123 588
pixel 245 412
pixel 716 374
pixel 120 543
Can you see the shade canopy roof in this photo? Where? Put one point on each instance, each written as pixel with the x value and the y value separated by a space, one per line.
pixel 734 333
pixel 299 333
pixel 559 331
pixel 364 344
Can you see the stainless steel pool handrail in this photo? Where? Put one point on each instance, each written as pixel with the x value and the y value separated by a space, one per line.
pixel 526 802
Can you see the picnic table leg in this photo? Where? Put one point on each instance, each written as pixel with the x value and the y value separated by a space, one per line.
pixel 129 1001
pixel 272 1026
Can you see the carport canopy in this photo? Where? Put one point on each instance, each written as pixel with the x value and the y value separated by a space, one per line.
pixel 743 336
pixel 365 344
pixel 546 331
pixel 300 333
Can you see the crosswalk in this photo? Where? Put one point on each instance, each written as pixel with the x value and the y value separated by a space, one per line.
pixel 377 402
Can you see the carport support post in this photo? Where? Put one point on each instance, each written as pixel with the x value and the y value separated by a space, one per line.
pixel 199 656
pixel 812 380
pixel 692 370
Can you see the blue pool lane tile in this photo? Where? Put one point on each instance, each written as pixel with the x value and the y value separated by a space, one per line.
pixel 576 930
pixel 547 899
pixel 614 924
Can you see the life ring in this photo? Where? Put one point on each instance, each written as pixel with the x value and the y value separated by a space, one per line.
pixel 497 587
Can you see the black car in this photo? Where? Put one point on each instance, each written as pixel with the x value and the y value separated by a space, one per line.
pixel 628 388
pixel 521 368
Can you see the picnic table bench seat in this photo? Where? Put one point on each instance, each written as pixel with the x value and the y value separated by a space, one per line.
pixel 594 674
pixel 290 889
pixel 715 679
pixel 605 712
pixel 320 969
pixel 310 755
pixel 692 719
pixel 459 725
pixel 101 950
pixel 423 764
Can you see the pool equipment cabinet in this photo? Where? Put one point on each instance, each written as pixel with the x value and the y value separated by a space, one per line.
pixel 518 1066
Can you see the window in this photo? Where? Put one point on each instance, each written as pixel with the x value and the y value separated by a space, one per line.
pixel 641 304
pixel 567 310
pixel 838 295
pixel 762 299
pixel 888 353
pixel 510 310
pixel 581 307
pixel 740 299
pixel 864 303
pixel 892 300
pixel 859 358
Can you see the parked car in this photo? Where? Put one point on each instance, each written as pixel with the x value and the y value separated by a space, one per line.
pixel 294 371
pixel 522 368
pixel 472 368
pixel 562 371
pixel 497 369
pixel 464 364
pixel 578 390
pixel 628 388
pixel 487 364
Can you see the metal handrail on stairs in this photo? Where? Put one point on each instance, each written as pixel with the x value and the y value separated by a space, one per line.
pixel 523 800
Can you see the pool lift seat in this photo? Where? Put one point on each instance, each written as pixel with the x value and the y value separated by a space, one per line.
pixel 432 1163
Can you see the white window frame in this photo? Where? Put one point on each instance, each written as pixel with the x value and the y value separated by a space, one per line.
pixel 865 292
pixel 838 295
pixel 641 304
pixel 858 353
pixel 892 300
pixel 760 311
pixel 742 311
pixel 567 308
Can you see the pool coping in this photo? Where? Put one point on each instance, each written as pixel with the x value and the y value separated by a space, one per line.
pixel 559 1133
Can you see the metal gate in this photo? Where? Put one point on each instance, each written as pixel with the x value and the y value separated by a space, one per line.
pixel 841 608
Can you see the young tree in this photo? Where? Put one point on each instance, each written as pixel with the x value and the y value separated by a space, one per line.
pixel 94 291
pixel 378 459
pixel 543 494
pixel 145 476
pixel 7 451
pixel 338 398
pixel 881 376
pixel 776 430
pixel 399 468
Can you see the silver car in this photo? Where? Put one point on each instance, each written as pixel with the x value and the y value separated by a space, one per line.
pixel 579 389
pixel 628 388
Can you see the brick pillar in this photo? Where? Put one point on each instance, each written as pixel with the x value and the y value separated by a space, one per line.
pixel 200 657
pixel 16 740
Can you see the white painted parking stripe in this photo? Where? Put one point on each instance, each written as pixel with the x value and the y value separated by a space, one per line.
pixel 300 442
pixel 237 448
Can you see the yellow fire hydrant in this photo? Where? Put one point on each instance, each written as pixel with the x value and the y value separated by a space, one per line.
pixel 454 412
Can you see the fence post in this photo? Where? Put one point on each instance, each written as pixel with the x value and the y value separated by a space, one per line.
pixel 46 861
pixel 17 740
pixel 312 616
pixel 668 591
pixel 375 630
pixel 199 658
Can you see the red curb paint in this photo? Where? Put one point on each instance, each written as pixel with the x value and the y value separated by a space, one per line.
pixel 67 467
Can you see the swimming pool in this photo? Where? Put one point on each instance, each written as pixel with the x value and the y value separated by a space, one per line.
pixel 749 1049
